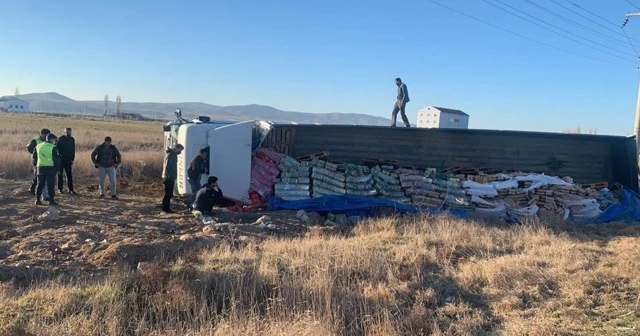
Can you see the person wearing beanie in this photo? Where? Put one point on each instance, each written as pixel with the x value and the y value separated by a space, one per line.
pixel 47 162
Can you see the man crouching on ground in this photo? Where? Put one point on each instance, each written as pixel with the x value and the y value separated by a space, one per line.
pixel 209 196
pixel 47 162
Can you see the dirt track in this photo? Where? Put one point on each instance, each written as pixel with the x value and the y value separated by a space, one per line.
pixel 92 235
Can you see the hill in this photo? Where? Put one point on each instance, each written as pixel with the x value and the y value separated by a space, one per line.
pixel 52 102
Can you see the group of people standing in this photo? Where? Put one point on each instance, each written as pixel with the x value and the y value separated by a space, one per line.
pixel 52 156
pixel 202 198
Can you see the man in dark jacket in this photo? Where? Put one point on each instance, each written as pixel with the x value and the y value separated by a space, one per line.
pixel 47 162
pixel 197 167
pixel 67 151
pixel 209 196
pixel 169 175
pixel 106 158
pixel 401 102
pixel 31 148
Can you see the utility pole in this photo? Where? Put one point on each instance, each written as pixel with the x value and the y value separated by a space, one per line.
pixel 636 128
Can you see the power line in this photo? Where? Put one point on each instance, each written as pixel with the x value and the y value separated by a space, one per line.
pixel 632 4
pixel 526 37
pixel 555 32
pixel 588 19
pixel 576 23
pixel 587 11
pixel 627 36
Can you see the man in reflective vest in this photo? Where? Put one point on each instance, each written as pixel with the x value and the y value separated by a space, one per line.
pixel 47 162
pixel 30 148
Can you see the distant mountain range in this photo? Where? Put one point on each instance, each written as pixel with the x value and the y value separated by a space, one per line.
pixel 51 102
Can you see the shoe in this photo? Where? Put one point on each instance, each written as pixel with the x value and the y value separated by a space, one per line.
pixel 61 191
pixel 38 202
pixel 114 197
pixel 73 192
pixel 393 125
pixel 168 211
pixel 101 197
pixel 408 126
pixel 46 199
pixel 31 191
pixel 53 203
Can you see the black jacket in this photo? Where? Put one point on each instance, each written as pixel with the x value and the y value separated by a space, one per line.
pixel 206 198
pixel 106 157
pixel 67 148
pixel 197 167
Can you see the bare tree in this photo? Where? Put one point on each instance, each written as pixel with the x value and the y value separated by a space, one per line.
pixel 118 106
pixel 106 104
pixel 17 93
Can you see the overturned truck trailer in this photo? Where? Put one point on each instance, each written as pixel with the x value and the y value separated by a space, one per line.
pixel 586 158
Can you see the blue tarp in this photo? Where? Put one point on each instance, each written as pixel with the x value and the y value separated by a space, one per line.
pixel 628 209
pixel 350 205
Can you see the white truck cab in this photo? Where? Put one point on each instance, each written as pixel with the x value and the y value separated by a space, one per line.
pixel 230 145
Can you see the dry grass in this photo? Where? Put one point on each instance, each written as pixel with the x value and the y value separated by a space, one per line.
pixel 140 143
pixel 430 276
pixel 390 277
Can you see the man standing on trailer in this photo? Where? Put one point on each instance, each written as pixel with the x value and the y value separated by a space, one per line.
pixel 169 175
pixel 31 148
pixel 401 102
pixel 67 150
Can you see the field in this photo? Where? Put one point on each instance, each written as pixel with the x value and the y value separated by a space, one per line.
pixel 121 268
pixel 139 142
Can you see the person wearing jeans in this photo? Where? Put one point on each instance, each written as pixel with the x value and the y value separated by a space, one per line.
pixel 106 158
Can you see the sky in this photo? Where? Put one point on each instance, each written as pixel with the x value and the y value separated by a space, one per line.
pixel 338 56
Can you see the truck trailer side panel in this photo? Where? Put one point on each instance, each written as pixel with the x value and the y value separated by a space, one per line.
pixel 586 158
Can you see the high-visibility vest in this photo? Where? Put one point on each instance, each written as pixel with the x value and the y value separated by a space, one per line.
pixel 45 154
pixel 38 140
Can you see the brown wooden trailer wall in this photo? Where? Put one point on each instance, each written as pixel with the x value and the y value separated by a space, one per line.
pixel 586 158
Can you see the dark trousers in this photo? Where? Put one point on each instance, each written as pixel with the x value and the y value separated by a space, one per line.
pixel 50 180
pixel 65 167
pixel 399 107
pixel 34 181
pixel 207 205
pixel 168 193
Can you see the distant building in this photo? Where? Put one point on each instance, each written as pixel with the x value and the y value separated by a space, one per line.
pixel 439 117
pixel 13 104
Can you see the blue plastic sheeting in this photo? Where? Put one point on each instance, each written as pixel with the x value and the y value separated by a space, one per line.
pixel 628 209
pixel 350 205
pixel 339 204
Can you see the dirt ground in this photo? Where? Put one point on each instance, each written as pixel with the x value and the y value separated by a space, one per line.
pixel 91 236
